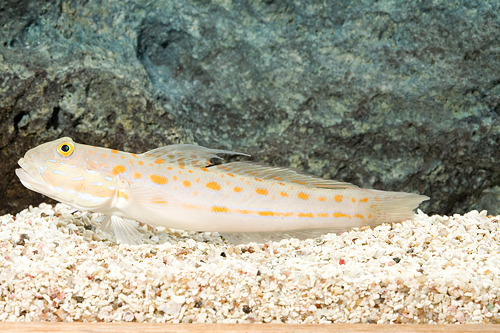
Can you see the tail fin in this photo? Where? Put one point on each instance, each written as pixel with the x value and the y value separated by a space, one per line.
pixel 393 206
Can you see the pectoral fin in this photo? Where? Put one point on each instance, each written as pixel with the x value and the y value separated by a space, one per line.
pixel 125 230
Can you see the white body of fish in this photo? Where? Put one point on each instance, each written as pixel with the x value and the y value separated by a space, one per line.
pixel 178 187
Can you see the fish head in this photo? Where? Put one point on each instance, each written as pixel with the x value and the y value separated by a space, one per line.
pixel 60 170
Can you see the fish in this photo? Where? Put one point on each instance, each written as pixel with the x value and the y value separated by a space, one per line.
pixel 181 186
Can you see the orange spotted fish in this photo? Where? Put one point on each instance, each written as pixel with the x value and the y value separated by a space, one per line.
pixel 178 187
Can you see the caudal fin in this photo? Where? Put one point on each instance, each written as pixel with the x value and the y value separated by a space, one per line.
pixel 393 206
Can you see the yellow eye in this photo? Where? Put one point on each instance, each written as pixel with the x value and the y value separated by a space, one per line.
pixel 65 149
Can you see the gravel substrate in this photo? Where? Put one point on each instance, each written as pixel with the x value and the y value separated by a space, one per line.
pixel 57 266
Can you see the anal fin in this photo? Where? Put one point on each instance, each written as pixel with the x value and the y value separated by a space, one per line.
pixel 272 236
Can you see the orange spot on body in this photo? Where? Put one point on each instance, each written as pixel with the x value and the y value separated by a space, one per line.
pixel 91 152
pixel 140 162
pixel 117 169
pixel 158 179
pixel 159 161
pixel 341 215
pixel 137 175
pixel 186 183
pixel 284 194
pixel 353 200
pixel 104 155
pixel 303 196
pixel 266 213
pixel 257 179
pixel 130 161
pixel 321 198
pixel 174 178
pixel 204 169
pixel 230 175
pixel 123 195
pixel 134 155
pixel 213 186
pixel 359 215
pixel 195 193
pixel 114 151
pixel 218 209
pixel 305 215
pixel 322 214
pixel 237 189
pixel 363 200
pixel 338 198
pixel 261 191
pixel 197 180
pixel 159 201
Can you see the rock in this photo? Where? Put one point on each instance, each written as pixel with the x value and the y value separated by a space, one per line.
pixel 389 97
pixel 57 87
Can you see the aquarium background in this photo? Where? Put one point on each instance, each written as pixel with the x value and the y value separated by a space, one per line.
pixel 391 95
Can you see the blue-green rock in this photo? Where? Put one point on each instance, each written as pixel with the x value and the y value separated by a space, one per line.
pixel 393 95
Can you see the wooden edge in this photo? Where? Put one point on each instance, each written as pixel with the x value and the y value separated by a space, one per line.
pixel 43 327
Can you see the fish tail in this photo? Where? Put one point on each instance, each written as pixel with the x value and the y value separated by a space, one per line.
pixel 388 207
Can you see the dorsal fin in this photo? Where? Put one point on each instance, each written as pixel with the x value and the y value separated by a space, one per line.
pixel 281 175
pixel 198 156
pixel 191 155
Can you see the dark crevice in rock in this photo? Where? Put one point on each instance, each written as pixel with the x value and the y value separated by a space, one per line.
pixel 18 121
pixel 54 119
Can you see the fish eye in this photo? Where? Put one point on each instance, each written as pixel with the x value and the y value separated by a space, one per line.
pixel 65 149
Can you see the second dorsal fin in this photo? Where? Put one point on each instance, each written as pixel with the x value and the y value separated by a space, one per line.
pixel 281 175
pixel 189 155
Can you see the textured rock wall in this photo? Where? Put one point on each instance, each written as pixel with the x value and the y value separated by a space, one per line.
pixel 395 95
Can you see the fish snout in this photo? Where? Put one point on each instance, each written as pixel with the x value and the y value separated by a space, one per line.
pixel 28 173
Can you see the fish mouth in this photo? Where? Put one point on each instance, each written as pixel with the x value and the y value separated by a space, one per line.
pixel 30 177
